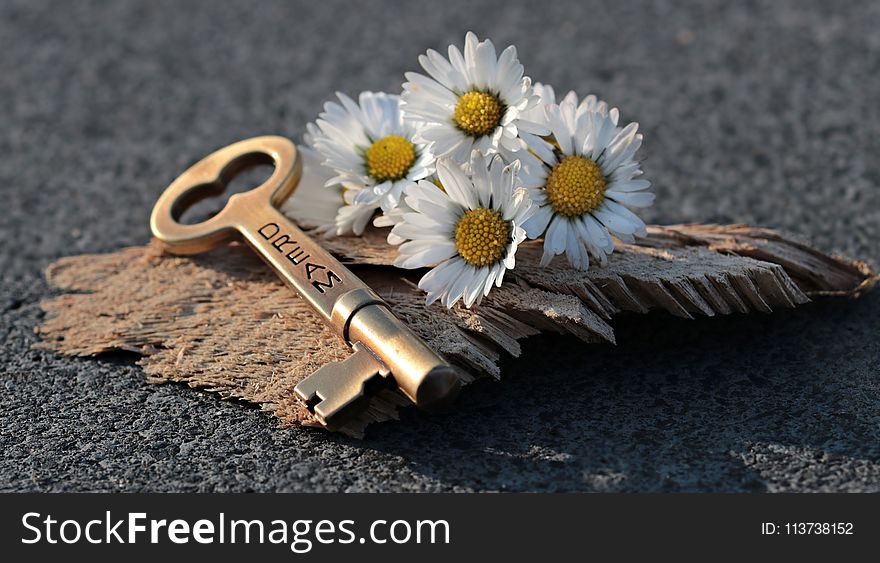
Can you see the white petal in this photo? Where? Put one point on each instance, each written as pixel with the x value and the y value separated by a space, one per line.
pixel 505 73
pixel 618 219
pixel 560 131
pixel 353 218
pixel 412 232
pixel 626 214
pixel 629 185
pixel 484 64
pixel 461 153
pixel 480 177
pixel 584 237
pixel 537 223
pixel 596 234
pixel 439 69
pixel 457 184
pixel 427 223
pixel 460 285
pixel 365 197
pixel 515 86
pixel 437 281
pixel 461 72
pixel 604 133
pixel 496 272
pixel 540 147
pixel 575 251
pixel 532 127
pixel 632 199
pixel 418 254
pixel 474 288
pixel 555 239
pixel 451 143
pixel 419 82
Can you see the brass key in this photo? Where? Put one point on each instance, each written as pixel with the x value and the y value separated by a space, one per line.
pixel 382 344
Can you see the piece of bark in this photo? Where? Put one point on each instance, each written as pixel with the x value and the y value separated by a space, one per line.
pixel 224 323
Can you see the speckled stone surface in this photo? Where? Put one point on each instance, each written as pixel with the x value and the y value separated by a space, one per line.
pixel 758 112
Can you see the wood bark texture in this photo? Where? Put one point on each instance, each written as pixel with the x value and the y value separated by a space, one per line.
pixel 222 322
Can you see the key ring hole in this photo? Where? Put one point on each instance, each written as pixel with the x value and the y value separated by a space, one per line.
pixel 204 201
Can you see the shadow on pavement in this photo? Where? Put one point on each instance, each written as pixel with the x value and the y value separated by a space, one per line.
pixel 739 403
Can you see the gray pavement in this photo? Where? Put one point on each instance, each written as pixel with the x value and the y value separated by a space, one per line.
pixel 759 112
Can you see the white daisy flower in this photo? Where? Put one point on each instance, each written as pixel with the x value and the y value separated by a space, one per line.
pixel 582 182
pixel 470 229
pixel 371 149
pixel 469 102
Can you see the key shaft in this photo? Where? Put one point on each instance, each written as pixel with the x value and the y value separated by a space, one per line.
pixel 303 265
pixel 345 302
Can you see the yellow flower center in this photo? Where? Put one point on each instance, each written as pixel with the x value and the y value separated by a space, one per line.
pixel 481 237
pixel 390 158
pixel 478 113
pixel 575 186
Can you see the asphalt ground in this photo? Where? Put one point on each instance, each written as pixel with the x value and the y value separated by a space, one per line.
pixel 758 112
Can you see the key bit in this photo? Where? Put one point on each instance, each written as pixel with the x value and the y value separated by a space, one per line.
pixel 335 391
pixel 384 346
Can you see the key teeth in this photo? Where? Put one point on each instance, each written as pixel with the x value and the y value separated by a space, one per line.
pixel 307 389
pixel 332 390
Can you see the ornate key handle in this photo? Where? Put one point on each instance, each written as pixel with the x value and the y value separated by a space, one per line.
pixel 209 177
pixel 382 343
